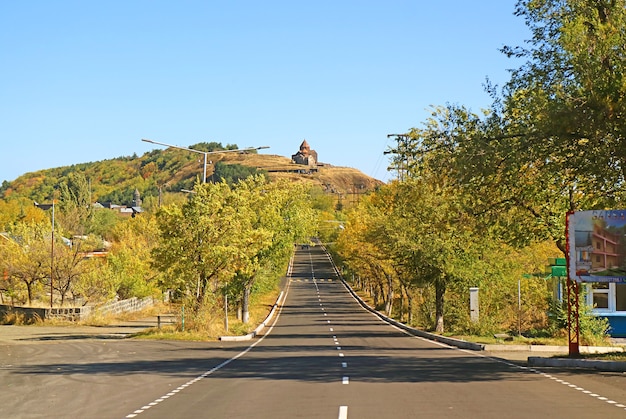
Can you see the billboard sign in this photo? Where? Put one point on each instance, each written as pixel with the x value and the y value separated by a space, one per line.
pixel 596 243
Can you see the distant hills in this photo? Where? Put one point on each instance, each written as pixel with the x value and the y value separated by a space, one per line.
pixel 170 171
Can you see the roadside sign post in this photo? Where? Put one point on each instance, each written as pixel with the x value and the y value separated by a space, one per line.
pixel 595 253
pixel 573 318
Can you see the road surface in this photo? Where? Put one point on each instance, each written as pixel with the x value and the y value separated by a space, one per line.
pixel 324 357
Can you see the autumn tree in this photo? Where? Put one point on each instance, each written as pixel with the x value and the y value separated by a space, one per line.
pixel 69 266
pixel 26 257
pixel 362 250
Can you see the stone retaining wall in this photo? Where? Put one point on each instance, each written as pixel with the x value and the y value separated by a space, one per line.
pixel 69 313
pixel 125 306
pixel 32 314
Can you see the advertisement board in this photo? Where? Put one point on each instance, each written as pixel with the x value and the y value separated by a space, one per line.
pixel 596 243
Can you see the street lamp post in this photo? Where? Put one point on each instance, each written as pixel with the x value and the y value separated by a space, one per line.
pixel 206 153
pixel 45 207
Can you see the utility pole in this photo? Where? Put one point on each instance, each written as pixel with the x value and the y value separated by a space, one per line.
pixel 402 160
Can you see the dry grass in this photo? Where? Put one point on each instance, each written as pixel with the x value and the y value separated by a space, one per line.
pixel 611 356
pixel 342 180
pixel 174 332
pixel 13 318
pixel 210 326
pixel 97 319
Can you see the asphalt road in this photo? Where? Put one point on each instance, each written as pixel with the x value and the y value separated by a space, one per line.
pixel 324 357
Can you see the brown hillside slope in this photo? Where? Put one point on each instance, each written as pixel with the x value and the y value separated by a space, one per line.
pixel 333 179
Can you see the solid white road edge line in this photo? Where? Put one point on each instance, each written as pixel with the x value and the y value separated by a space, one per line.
pixel 212 370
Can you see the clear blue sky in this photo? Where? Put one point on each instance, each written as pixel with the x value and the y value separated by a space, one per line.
pixel 83 81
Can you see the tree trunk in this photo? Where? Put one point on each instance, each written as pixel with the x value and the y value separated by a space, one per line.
pixel 380 294
pixel 389 303
pixel 440 290
pixel 29 291
pixel 402 294
pixel 200 291
pixel 245 303
pixel 409 305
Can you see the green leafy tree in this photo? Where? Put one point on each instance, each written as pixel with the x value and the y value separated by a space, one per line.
pixel 520 200
pixel 74 209
pixel 566 103
pixel 281 216
pixel 199 241
pixel 554 141
pixel 226 236
pixel 104 222
pixel 232 173
pixel 128 264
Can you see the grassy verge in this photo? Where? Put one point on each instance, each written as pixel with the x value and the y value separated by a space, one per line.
pixel 611 356
pixel 213 326
pixel 512 340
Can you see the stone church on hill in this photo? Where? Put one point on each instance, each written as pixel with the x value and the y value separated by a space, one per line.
pixel 305 156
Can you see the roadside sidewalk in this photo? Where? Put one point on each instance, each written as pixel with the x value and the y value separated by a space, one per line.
pixel 35 333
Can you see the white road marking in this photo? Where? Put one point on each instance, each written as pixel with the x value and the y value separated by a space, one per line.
pixel 551 377
pixel 209 372
pixel 343 412
pixel 619 405
pixel 346 380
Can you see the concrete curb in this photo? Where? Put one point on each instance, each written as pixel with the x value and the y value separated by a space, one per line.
pixel 553 348
pixel 259 328
pixel 416 332
pixel 533 361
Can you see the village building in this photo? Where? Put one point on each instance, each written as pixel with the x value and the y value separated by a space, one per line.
pixel 132 210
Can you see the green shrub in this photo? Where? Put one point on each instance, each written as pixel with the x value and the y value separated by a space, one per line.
pixel 593 329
